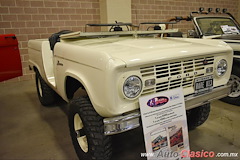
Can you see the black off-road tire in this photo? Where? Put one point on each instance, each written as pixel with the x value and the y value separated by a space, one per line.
pixel 99 146
pixel 197 116
pixel 234 97
pixel 47 96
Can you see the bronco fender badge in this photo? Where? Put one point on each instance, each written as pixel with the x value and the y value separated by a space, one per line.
pixel 157 101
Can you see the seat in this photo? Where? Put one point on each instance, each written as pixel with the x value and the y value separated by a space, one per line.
pixel 54 38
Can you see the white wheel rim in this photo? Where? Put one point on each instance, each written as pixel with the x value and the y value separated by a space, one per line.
pixel 82 139
pixel 39 87
pixel 235 80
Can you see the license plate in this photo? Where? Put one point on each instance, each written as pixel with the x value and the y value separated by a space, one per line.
pixel 203 84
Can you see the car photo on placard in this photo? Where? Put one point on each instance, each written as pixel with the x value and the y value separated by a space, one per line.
pixel 159 139
pixel 176 137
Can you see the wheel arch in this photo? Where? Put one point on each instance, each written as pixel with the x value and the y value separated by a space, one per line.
pixel 72 84
pixel 37 68
pixel 77 86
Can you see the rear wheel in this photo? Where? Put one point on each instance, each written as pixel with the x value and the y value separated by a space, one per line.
pixel 46 95
pixel 197 116
pixel 234 97
pixel 87 131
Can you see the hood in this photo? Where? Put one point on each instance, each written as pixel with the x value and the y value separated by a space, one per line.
pixel 232 40
pixel 234 37
pixel 225 37
pixel 141 51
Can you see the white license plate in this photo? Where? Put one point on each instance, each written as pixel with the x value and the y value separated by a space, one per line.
pixel 203 84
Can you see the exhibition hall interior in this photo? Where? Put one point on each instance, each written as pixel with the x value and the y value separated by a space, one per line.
pixel 119 79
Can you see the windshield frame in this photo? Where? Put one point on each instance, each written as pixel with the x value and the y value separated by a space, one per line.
pixel 211 17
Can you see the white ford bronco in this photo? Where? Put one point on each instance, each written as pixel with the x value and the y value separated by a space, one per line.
pixel 111 70
pixel 219 25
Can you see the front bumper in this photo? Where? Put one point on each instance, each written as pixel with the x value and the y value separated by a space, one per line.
pixel 130 121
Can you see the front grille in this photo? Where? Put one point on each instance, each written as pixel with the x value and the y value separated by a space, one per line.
pixel 237 53
pixel 175 73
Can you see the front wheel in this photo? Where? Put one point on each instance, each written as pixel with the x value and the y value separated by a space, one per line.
pixel 197 116
pixel 234 97
pixel 87 131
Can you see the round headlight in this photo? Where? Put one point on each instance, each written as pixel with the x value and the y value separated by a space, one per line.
pixel 221 67
pixel 132 87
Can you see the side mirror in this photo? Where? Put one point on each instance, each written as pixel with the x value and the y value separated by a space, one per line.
pixel 191 34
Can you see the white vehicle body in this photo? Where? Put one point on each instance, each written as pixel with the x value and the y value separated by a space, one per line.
pixel 102 65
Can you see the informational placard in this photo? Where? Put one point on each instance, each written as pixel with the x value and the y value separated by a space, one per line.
pixel 229 29
pixel 164 125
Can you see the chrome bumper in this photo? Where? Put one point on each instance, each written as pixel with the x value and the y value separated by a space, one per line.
pixel 130 121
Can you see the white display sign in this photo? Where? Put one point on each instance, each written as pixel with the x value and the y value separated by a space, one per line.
pixel 229 29
pixel 164 125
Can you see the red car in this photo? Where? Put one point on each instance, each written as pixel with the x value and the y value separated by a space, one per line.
pixel 10 61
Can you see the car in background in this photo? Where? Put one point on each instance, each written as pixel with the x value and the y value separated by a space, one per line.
pixel 10 61
pixel 218 25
